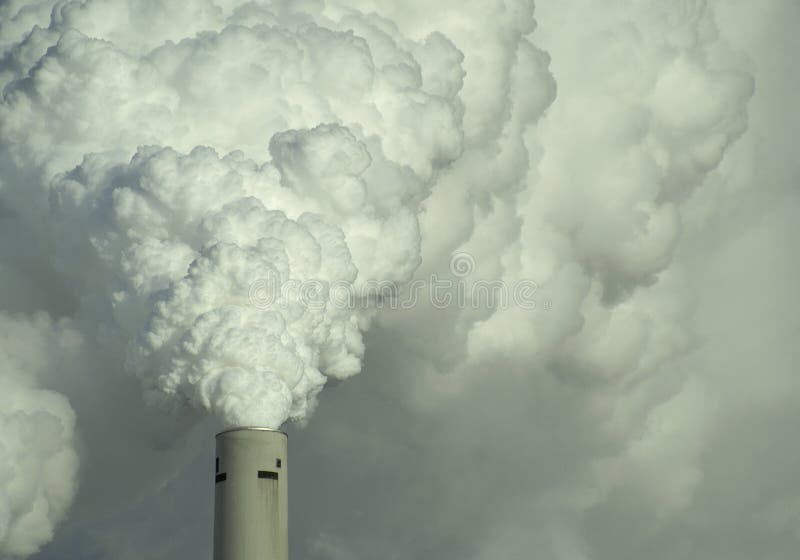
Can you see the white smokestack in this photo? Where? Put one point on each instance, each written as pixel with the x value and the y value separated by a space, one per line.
pixel 251 507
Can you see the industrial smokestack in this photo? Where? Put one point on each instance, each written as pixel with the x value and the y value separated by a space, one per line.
pixel 251 510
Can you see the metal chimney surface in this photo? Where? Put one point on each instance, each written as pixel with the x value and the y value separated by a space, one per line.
pixel 251 509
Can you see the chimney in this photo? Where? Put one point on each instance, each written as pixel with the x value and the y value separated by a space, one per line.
pixel 251 509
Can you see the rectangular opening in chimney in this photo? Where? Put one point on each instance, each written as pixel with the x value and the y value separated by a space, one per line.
pixel 220 477
pixel 268 474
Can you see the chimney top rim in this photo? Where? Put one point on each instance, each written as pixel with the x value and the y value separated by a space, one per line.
pixel 250 429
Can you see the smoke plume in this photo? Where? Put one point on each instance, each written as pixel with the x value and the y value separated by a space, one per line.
pixel 184 186
pixel 157 175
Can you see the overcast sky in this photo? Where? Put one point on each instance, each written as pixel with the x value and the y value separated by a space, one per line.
pixel 292 214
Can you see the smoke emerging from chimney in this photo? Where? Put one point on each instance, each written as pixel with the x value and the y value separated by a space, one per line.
pixel 158 160
pixel 155 173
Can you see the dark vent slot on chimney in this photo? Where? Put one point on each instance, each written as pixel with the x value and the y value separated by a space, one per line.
pixel 216 465
pixel 268 474
pixel 220 477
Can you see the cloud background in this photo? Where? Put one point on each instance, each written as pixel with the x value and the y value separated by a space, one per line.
pixel 636 160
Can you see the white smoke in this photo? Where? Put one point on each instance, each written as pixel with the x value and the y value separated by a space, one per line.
pixel 181 183
pixel 158 242
pixel 170 176
pixel 650 98
pixel 38 459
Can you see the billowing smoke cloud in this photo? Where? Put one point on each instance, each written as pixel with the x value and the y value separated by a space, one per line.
pixel 38 461
pixel 191 191
pixel 181 184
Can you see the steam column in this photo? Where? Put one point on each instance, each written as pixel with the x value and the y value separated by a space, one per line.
pixel 251 510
